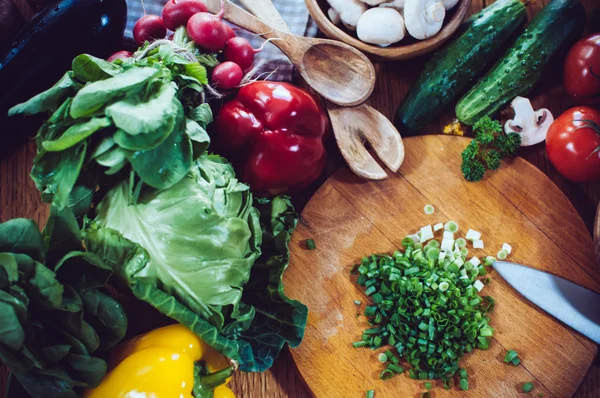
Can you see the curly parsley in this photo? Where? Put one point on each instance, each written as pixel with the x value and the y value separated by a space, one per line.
pixel 488 149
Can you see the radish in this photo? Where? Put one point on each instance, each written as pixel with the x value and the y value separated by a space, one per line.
pixel 208 31
pixel 149 27
pixel 240 51
pixel 177 13
pixel 230 32
pixel 123 54
pixel 227 75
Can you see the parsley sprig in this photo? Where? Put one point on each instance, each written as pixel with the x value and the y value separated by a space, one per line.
pixel 488 149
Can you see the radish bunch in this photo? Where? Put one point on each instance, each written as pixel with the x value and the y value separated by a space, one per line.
pixel 208 31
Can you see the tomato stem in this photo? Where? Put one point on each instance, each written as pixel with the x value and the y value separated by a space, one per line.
pixel 592 125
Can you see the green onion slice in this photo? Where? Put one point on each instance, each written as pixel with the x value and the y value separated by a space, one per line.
pixel 428 209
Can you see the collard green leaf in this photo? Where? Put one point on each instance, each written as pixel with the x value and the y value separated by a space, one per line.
pixel 76 134
pixel 106 316
pixel 49 100
pixel 21 235
pixel 169 306
pixel 96 95
pixel 168 163
pixel 278 319
pixel 55 173
pixel 135 116
pixel 88 68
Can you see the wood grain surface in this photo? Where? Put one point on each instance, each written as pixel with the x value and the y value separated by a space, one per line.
pixel 350 218
pixel 19 198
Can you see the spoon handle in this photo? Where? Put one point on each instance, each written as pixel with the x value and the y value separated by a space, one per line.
pixel 266 11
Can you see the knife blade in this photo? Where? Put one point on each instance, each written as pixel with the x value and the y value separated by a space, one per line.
pixel 566 301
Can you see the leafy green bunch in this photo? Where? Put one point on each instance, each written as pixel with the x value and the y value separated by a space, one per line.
pixel 487 150
pixel 145 114
pixel 57 318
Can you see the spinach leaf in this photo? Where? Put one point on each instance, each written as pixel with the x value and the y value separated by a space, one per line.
pixel 135 116
pixel 199 137
pixel 106 316
pixel 95 95
pixel 61 234
pixel 21 235
pixel 49 100
pixel 83 270
pixel 88 68
pixel 55 353
pixel 165 165
pixel 82 194
pixel 11 331
pixel 115 159
pixel 201 114
pixel 40 386
pixel 55 173
pixel 76 134
pixel 86 369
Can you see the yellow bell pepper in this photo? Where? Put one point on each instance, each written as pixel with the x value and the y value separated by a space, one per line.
pixel 161 364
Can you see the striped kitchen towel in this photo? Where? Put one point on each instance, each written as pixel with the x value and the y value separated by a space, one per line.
pixel 294 13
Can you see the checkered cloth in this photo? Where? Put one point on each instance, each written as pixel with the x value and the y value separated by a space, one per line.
pixel 294 13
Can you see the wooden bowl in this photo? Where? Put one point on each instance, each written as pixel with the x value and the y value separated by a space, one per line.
pixel 405 49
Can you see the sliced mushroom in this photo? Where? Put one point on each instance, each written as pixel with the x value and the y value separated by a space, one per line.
pixel 397 5
pixel 448 4
pixel 423 18
pixel 531 125
pixel 349 11
pixel 381 26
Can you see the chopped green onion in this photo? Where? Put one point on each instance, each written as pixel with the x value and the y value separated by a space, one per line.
pixel 438 227
pixel 510 356
pixel 310 244
pixel 507 248
pixel 527 387
pixel 461 242
pixel 370 394
pixel 357 344
pixel 516 361
pixel 386 374
pixel 428 209
pixel 451 226
pixel 502 254
pixel 463 373
pixel 464 384
pixel 382 358
pixel 489 260
pixel 357 302
pixel 428 385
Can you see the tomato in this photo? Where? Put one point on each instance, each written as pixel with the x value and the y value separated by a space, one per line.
pixel 582 70
pixel 573 144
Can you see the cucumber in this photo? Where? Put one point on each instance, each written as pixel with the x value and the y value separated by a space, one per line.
pixel 453 69
pixel 560 22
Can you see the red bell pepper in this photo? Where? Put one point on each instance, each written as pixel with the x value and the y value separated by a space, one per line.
pixel 273 134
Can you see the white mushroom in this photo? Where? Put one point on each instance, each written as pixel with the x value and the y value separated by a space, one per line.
pixel 531 125
pixel 334 16
pixel 423 18
pixel 448 4
pixel 381 26
pixel 374 3
pixel 397 5
pixel 349 11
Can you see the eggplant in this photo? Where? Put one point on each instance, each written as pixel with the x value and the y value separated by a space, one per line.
pixel 44 49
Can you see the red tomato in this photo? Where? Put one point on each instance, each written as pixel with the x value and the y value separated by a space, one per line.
pixel 582 69
pixel 573 144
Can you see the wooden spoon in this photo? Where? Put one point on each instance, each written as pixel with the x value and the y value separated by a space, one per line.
pixel 351 126
pixel 337 71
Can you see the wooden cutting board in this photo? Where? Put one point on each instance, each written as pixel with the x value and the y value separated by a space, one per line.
pixel 349 218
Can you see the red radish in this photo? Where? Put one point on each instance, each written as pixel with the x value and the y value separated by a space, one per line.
pixel 208 30
pixel 148 28
pixel 240 51
pixel 177 13
pixel 120 55
pixel 227 75
pixel 230 32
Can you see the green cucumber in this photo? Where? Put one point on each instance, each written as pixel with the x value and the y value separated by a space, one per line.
pixel 453 69
pixel 560 22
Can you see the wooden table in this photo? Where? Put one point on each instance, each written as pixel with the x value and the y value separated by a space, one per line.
pixel 19 198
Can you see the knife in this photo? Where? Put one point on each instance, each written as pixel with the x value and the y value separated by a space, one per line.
pixel 568 302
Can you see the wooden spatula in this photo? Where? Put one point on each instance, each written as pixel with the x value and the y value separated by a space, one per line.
pixel 354 126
